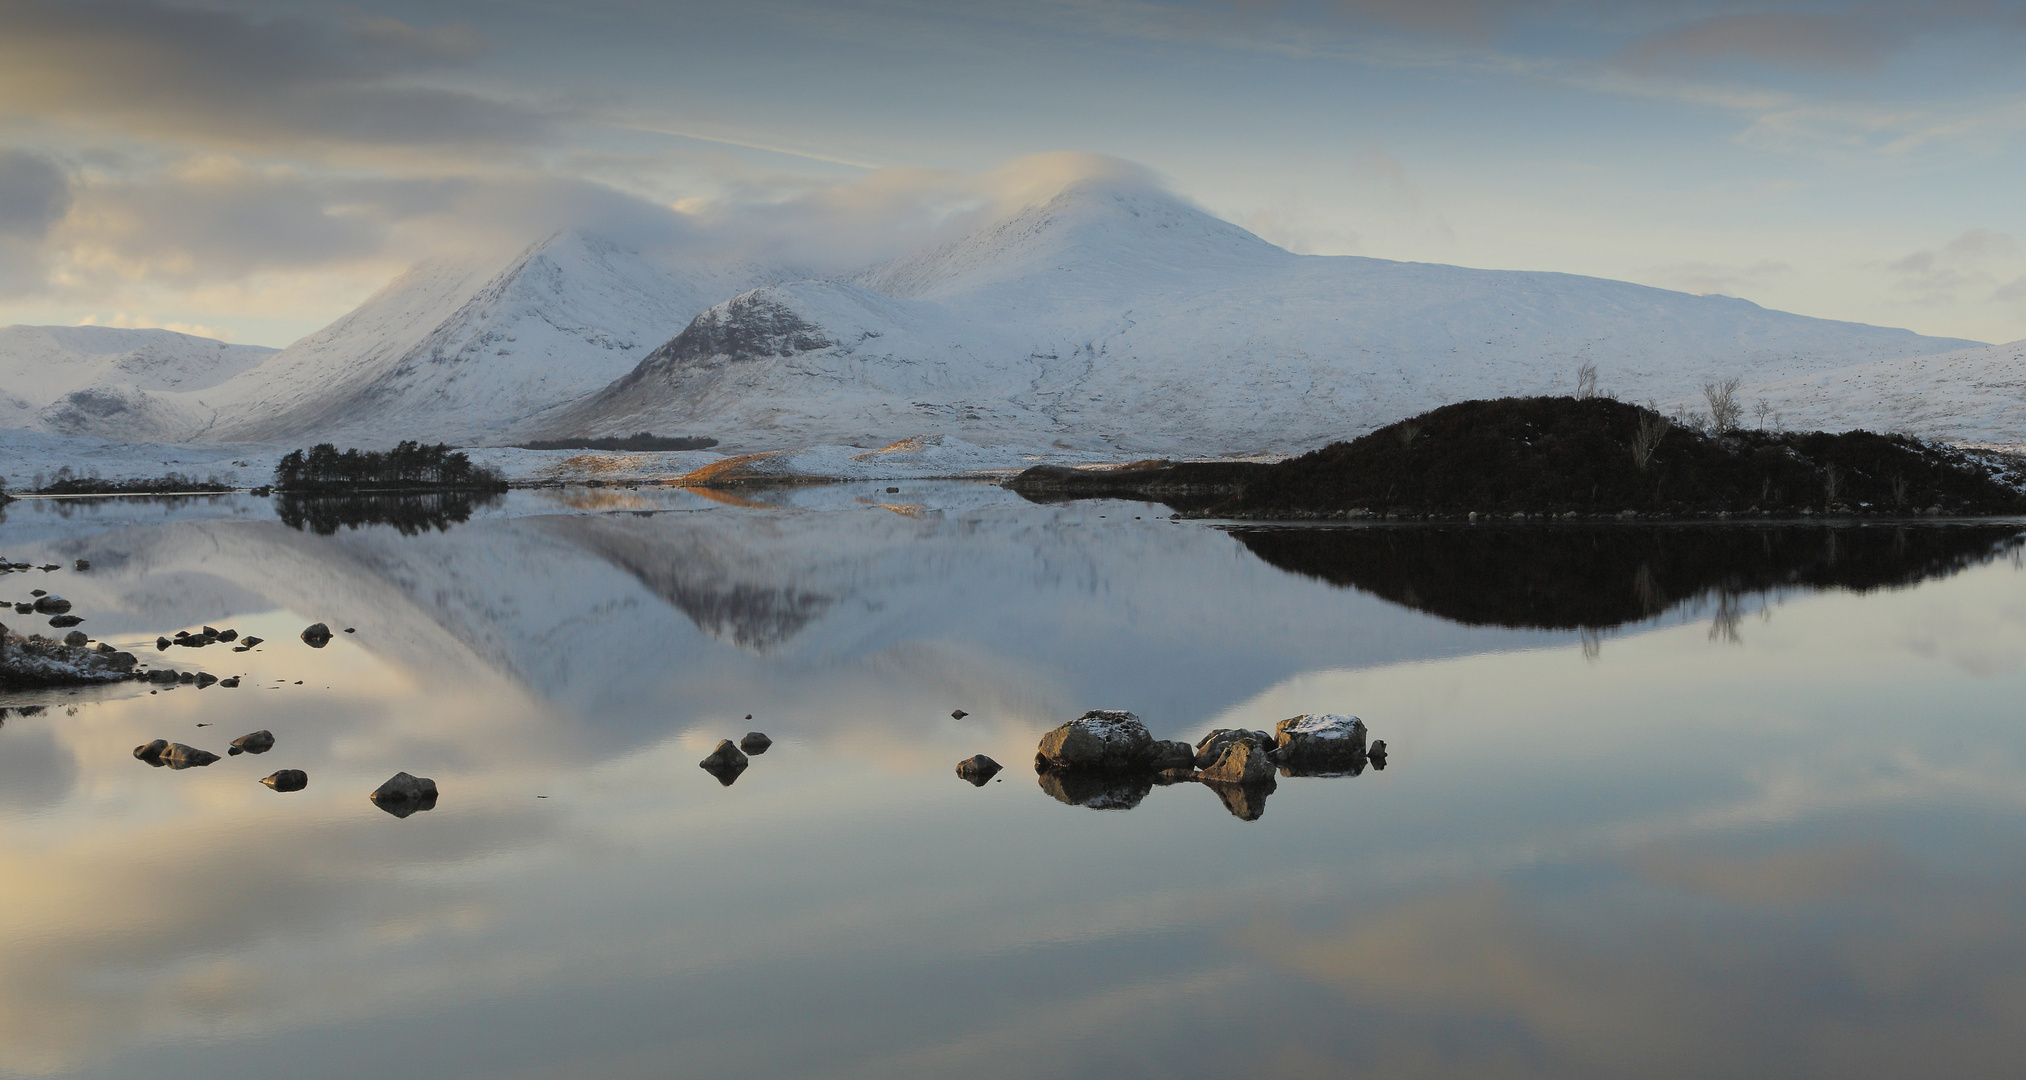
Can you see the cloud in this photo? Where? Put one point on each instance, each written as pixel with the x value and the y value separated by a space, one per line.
pixel 34 194
pixel 1962 265
pixel 1816 41
pixel 217 76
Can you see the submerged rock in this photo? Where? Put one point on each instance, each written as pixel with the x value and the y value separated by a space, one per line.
pixel 257 742
pixel 726 762
pixel 151 752
pixel 978 769
pixel 296 780
pixel 316 635
pixel 755 743
pixel 404 794
pixel 1105 739
pixel 178 756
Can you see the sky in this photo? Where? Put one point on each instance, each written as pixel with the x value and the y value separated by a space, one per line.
pixel 251 170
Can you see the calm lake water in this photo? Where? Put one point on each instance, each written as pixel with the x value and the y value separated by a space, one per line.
pixel 1660 802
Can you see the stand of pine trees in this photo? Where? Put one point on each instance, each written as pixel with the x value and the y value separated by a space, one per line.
pixel 410 465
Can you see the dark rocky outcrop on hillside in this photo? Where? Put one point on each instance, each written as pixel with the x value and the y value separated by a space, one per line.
pixel 1562 456
pixel 1598 576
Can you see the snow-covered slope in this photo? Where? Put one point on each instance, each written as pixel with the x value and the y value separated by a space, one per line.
pixel 455 349
pixel 1972 395
pixel 103 380
pixel 1117 317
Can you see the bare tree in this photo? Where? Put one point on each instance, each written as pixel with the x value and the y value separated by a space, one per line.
pixel 1832 478
pixel 1724 410
pixel 1898 485
pixel 1652 427
pixel 1586 381
pixel 1407 432
pixel 1763 409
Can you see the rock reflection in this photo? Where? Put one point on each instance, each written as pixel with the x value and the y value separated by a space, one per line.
pixel 1106 760
pixel 1247 802
pixel 1580 577
pixel 409 514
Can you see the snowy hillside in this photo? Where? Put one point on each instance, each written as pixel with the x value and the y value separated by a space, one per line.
pixel 1972 395
pixel 103 380
pixel 1118 318
pixel 454 349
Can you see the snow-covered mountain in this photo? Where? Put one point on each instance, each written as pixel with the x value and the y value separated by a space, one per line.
pixel 1972 395
pixel 111 381
pixel 1116 317
pixel 456 349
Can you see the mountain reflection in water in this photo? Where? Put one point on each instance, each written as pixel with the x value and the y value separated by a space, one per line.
pixel 1556 577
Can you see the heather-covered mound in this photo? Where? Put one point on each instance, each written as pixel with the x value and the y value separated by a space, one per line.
pixel 1555 455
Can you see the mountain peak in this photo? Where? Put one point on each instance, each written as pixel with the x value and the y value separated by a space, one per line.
pixel 1092 224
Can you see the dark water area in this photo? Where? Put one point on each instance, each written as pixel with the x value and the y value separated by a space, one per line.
pixel 407 513
pixel 1568 577
pixel 1658 802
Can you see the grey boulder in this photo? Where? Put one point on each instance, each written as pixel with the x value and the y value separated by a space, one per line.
pixel 76 638
pixel 755 743
pixel 291 780
pixel 51 604
pixel 62 622
pixel 316 635
pixel 404 794
pixel 1099 739
pixel 257 742
pixel 726 762
pixel 978 769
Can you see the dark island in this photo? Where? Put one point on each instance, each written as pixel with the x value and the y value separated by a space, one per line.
pixel 1562 457
pixel 409 466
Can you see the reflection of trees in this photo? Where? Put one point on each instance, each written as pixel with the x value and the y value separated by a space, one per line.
pixel 409 514
pixel 1597 577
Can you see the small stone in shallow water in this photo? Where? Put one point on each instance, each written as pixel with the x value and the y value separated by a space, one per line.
pixel 755 743
pixel 291 780
pixel 250 641
pixel 162 644
pixel 76 639
pixel 151 752
pixel 178 756
pixel 350 630
pixel 228 635
pixel 209 631
pixel 62 621
pixel 38 592
pixel 978 769
pixel 24 609
pixel 256 742
pixel 316 635
pixel 726 762
pixel 958 714
pixel 52 604
pixel 1377 754
pixel 404 794
pixel 230 684
pixel 81 564
pixel 204 679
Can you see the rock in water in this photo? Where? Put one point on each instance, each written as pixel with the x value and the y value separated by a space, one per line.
pixel 316 636
pixel 1213 744
pixel 152 752
pixel 1099 739
pixel 228 635
pixel 258 742
pixel 1170 755
pixel 1378 754
pixel 1241 760
pixel 204 679
pixel 958 714
pixel 64 621
pixel 76 639
pixel 81 564
pixel 978 769
pixel 1321 740
pixel 755 743
pixel 726 762
pixel 178 756
pixel 251 641
pixel 51 604
pixel 296 780
pixel 403 794
pixel 162 644
pixel 230 684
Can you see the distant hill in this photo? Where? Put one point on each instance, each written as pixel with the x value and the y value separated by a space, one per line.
pixel 113 382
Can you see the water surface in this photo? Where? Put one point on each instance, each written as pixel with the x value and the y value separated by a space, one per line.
pixel 1658 803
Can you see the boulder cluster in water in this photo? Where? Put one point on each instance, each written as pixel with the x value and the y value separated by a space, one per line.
pixel 730 759
pixel 1107 760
